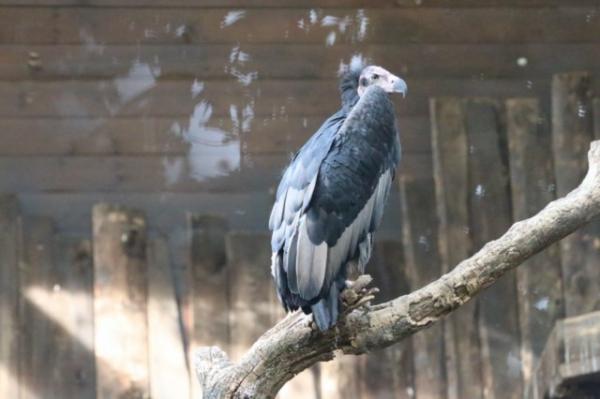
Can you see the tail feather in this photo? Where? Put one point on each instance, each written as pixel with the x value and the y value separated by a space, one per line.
pixel 326 311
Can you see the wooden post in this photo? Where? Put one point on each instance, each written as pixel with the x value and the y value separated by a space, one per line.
pixel 9 297
pixel 209 300
pixel 390 369
pixel 169 376
pixel 490 216
pixel 208 260
pixel 120 302
pixel 539 282
pixel 597 118
pixel 72 298
pixel 572 131
pixel 254 306
pixel 449 144
pixel 420 238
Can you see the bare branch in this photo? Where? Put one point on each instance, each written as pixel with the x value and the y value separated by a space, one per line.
pixel 294 344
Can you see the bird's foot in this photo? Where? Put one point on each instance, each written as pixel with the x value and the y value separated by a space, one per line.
pixel 357 295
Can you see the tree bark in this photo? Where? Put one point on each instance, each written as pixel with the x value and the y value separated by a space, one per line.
pixel 295 344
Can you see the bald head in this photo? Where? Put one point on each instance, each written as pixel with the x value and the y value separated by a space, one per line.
pixel 376 75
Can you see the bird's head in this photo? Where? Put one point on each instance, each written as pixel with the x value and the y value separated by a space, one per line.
pixel 374 75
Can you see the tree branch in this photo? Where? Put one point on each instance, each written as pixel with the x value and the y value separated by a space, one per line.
pixel 294 344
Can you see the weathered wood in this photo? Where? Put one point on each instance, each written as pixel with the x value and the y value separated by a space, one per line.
pixel 9 296
pixel 389 372
pixel 208 292
pixel 169 373
pixel 127 25
pixel 48 333
pixel 422 262
pixel 38 332
pixel 300 3
pixel 147 95
pixel 597 118
pixel 572 131
pixel 281 61
pixel 151 174
pixel 489 216
pixel 253 303
pixel 155 136
pixel 570 363
pixel 450 149
pixel 293 344
pixel 539 283
pixel 120 302
pixel 73 308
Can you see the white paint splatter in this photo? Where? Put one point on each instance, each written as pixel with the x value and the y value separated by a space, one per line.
pixel 522 61
pixel 329 20
pixel 213 152
pixel 232 17
pixel 330 40
pixel 363 24
pixel 173 170
pixel 313 17
pixel 197 88
pixel 140 78
pixel 542 304
pixel 480 191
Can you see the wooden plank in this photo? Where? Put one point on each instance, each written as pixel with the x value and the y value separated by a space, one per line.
pixel 69 304
pixel 281 61
pixel 9 297
pixel 169 374
pixel 597 118
pixel 209 275
pixel 38 332
pixel 56 340
pixel 154 136
pixel 423 265
pixel 92 26
pixel 539 282
pixel 253 303
pixel 120 302
pixel 570 363
pixel 299 3
pixel 145 96
pixel 450 149
pixel 489 217
pixel 572 131
pixel 147 174
pixel 391 370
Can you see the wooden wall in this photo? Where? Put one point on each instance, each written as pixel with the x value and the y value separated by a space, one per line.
pixel 186 111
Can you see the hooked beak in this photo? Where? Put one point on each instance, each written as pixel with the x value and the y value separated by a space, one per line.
pixel 399 86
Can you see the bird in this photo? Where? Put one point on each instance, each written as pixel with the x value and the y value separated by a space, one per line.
pixel 331 197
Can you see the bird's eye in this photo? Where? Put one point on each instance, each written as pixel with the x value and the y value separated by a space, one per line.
pixel 375 76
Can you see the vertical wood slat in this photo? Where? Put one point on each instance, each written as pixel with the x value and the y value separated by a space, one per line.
pixel 596 118
pixel 53 353
pixel 449 144
pixel 120 302
pixel 572 131
pixel 9 297
pixel 169 377
pixel 73 293
pixel 209 300
pixel 254 306
pixel 539 280
pixel 489 217
pixel 389 370
pixel 37 333
pixel 420 238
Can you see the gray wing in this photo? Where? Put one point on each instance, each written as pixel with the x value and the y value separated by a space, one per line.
pixel 332 215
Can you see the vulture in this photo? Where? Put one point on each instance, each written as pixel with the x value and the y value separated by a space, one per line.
pixel 331 197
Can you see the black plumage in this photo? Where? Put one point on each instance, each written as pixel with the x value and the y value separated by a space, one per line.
pixel 331 197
